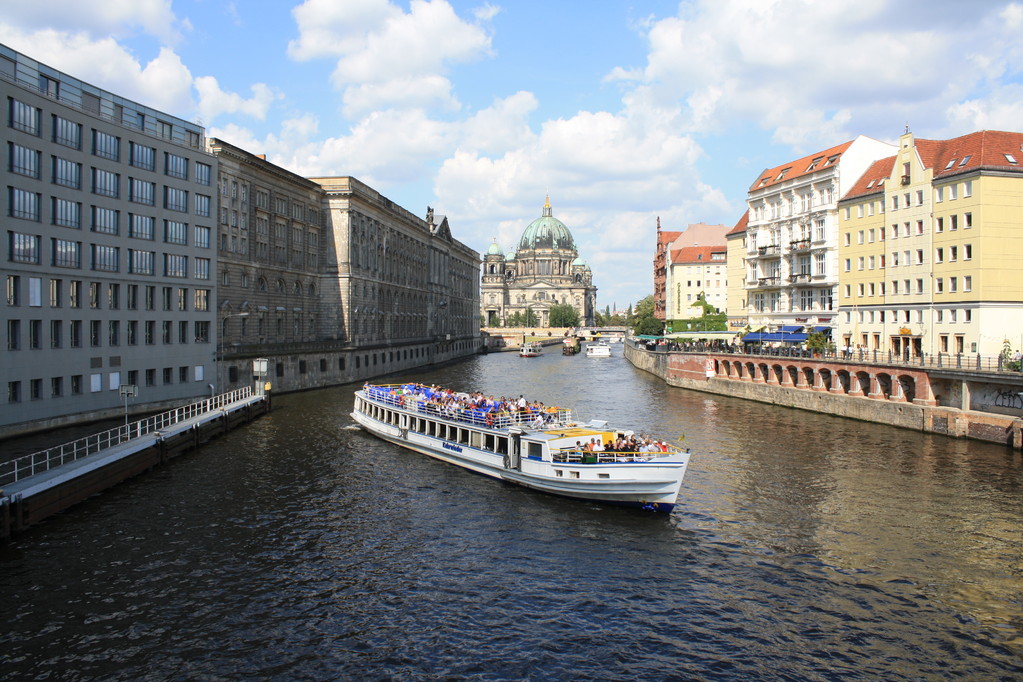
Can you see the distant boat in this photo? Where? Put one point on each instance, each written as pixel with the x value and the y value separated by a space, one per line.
pixel 599 349
pixel 531 349
pixel 571 346
pixel 538 447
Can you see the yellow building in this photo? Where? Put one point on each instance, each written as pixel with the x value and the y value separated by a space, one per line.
pixel 735 298
pixel 931 246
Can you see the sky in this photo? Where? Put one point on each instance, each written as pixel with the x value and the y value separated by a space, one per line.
pixel 623 112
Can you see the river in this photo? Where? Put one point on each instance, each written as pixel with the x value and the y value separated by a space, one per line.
pixel 298 547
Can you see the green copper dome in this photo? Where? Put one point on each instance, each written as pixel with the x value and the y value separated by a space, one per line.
pixel 495 250
pixel 579 262
pixel 546 232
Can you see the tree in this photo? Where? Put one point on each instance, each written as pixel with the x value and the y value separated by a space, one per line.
pixel 649 325
pixel 563 315
pixel 644 321
pixel 530 319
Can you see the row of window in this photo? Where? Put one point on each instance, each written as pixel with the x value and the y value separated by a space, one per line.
pixel 263 285
pixel 27 205
pixel 75 384
pixel 941 316
pixel 809 300
pixel 28 119
pixel 867 236
pixel 866 289
pixel 230 187
pixel 74 293
pixel 66 253
pixel 108 221
pixel 910 258
pixel 70 333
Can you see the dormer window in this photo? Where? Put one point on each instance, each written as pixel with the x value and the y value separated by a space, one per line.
pixel 870 184
pixel 951 163
pixel 815 162
pixel 1010 158
pixel 782 174
pixel 966 160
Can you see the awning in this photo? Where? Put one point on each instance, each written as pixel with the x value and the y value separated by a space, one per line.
pixel 792 328
pixel 774 337
pixel 821 328
pixel 785 337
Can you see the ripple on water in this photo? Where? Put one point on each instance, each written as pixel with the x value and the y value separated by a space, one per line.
pixel 804 547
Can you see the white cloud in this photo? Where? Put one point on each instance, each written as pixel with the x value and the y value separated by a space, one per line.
pixel 213 101
pixel 163 83
pixel 385 57
pixel 815 73
pixel 103 18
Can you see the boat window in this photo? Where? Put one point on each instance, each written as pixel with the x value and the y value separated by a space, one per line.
pixel 475 438
pixel 463 436
pixel 488 441
pixel 502 446
pixel 535 450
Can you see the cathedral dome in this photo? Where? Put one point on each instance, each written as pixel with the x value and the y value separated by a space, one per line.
pixel 546 232
pixel 495 250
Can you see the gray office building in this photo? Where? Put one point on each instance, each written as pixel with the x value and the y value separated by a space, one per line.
pixel 110 256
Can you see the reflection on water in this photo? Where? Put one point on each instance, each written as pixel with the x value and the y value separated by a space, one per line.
pixel 804 547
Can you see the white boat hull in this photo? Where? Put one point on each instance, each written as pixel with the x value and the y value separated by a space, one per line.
pixel 651 485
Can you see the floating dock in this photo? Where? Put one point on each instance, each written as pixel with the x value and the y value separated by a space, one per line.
pixel 45 483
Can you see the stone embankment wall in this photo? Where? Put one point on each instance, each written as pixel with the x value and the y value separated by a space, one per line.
pixel 897 396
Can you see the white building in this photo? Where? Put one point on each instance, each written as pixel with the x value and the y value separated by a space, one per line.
pixel 791 254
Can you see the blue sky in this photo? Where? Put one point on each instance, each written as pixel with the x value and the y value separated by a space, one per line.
pixel 623 112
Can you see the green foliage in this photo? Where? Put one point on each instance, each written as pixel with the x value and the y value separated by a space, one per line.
pixel 643 320
pixel 819 342
pixel 529 319
pixel 648 325
pixel 563 315
pixel 714 322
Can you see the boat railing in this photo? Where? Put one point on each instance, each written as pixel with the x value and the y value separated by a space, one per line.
pixel 577 456
pixel 538 420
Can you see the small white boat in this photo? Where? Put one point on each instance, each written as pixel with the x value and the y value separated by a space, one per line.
pixel 537 447
pixel 531 349
pixel 599 349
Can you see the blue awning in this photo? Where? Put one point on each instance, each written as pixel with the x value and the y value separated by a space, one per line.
pixel 822 328
pixel 792 328
pixel 785 337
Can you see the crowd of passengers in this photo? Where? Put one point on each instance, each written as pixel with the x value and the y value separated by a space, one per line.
pixel 623 444
pixel 474 408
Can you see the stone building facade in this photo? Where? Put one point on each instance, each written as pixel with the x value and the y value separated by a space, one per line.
pixel 270 232
pixel 544 271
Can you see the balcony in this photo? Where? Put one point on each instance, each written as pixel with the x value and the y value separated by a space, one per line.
pixel 802 278
pixel 767 282
pixel 771 251
pixel 801 245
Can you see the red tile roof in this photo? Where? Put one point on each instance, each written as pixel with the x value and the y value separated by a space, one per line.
pixel 873 179
pixel 793 169
pixel 696 255
pixel 740 226
pixel 994 149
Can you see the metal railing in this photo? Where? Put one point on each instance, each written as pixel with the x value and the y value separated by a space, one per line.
pixel 549 417
pixel 44 460
pixel 966 362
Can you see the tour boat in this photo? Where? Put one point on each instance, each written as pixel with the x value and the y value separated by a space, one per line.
pixel 531 349
pixel 537 447
pixel 598 350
